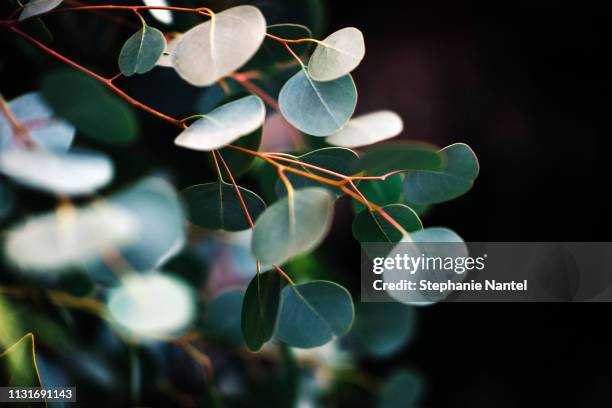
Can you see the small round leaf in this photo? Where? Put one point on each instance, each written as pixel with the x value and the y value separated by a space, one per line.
pixel 141 51
pixel 337 55
pixel 368 129
pixel 260 309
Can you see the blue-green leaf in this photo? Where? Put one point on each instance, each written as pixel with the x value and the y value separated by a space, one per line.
pixel 141 51
pixel 260 309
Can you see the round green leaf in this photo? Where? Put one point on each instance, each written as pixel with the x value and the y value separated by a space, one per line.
pixel 222 317
pixel 372 227
pixel 368 129
pixel 224 124
pixel 292 227
pixel 318 108
pixel 260 309
pixel 385 159
pixel 313 313
pixel 37 7
pixel 152 304
pixel 337 55
pixel 453 180
pixel 44 129
pixel 380 192
pixel 92 109
pixel 141 51
pixel 402 389
pixel 218 47
pixel 216 206
pixel 337 159
pixel 380 329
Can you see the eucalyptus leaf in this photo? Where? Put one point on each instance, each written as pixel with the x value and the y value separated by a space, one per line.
pixel 92 109
pixel 337 159
pixel 224 124
pixel 368 129
pixel 165 60
pixel 337 55
pixel 151 305
pixel 313 313
pixel 216 206
pixel 372 227
pixel 46 131
pixel 260 309
pixel 163 16
pixel 388 158
pixel 380 192
pixel 141 51
pixel 7 200
pixel 69 237
pixel 221 318
pixel 318 108
pixel 452 181
pixel 290 227
pixel 37 7
pixel 380 329
pixel 72 174
pixel 218 47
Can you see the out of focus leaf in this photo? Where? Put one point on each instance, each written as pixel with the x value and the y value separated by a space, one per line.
pixel 451 181
pixel 380 192
pixel 37 7
pixel 368 129
pixel 7 200
pixel 380 329
pixel 224 125
pixel 402 389
pixel 291 227
pixel 222 318
pixel 71 174
pixel 152 305
pixel 141 51
pixel 216 206
pixel 163 16
pixel 215 48
pixel 385 159
pixel 318 108
pixel 337 159
pixel 313 313
pixel 337 55
pixel 260 309
pixel 18 364
pixel 85 103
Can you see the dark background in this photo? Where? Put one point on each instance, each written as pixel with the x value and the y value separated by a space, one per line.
pixel 524 84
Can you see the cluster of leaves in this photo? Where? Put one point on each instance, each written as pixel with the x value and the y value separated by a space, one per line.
pixel 126 243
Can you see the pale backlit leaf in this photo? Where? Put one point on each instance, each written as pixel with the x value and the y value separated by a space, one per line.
pixel 219 46
pixel 368 129
pixel 152 304
pixel 290 227
pixel 224 124
pixel 34 114
pixel 165 60
pixel 72 174
pixel 37 7
pixel 337 55
pixel 69 237
pixel 163 16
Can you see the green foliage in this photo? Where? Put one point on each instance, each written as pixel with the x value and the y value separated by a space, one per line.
pixel 141 51
pixel 216 206
pixel 260 309
pixel 451 181
pixel 337 55
pixel 313 313
pixel 385 159
pixel 292 225
pixel 370 226
pixel 402 389
pixel 318 108
pixel 224 125
pixel 340 160
pixel 222 318
pixel 380 192
pixel 237 161
pixel 85 103
pixel 18 364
